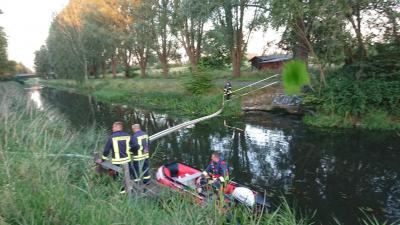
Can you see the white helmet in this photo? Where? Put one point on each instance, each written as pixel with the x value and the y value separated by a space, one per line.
pixel 244 195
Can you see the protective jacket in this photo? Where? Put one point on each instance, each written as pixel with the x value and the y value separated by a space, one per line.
pixel 139 146
pixel 219 169
pixel 118 145
pixel 140 156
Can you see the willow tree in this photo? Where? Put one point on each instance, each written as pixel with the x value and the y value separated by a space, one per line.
pixel 165 43
pixel 311 28
pixel 142 35
pixel 237 20
pixel 42 62
pixel 191 16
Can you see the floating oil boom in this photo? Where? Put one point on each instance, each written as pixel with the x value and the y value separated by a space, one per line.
pixel 192 122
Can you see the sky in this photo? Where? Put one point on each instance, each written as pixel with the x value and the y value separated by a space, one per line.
pixel 27 22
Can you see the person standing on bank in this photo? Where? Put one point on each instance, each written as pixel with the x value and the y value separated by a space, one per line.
pixel 140 155
pixel 228 90
pixel 118 145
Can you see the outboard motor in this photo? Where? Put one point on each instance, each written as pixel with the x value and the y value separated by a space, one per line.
pixel 244 195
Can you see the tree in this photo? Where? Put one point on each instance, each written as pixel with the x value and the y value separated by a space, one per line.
pixel 3 52
pixel 20 68
pixel 191 16
pixel 312 28
pixel 42 62
pixel 142 35
pixel 165 44
pixel 231 18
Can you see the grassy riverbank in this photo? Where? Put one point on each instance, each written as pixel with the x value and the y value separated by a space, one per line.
pixel 344 102
pixel 156 94
pixel 38 185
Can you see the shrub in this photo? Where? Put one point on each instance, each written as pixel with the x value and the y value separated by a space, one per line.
pixel 377 119
pixel 199 83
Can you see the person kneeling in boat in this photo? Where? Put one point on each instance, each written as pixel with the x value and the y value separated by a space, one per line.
pixel 216 172
pixel 118 145
pixel 140 155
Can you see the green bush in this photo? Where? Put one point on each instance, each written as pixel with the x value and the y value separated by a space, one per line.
pixel 199 83
pixel 344 94
pixel 212 63
pixel 377 119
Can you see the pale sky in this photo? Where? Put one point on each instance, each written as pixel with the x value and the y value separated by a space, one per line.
pixel 27 22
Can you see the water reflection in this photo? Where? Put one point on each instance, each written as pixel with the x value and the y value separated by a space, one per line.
pixel 335 172
pixel 36 98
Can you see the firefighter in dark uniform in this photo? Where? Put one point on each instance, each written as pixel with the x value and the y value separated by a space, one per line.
pixel 228 90
pixel 140 155
pixel 118 145
pixel 216 173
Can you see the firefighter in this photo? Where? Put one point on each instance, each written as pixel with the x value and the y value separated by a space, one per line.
pixel 118 145
pixel 140 155
pixel 228 90
pixel 216 172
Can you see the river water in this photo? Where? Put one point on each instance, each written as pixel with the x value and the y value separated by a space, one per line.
pixel 338 173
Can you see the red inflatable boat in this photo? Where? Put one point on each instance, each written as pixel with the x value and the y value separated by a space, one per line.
pixel 182 177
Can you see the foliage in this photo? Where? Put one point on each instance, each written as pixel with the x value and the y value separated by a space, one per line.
pixel 42 62
pixel 8 67
pixel 199 83
pixel 215 47
pixel 212 63
pixel 3 52
pixel 374 101
pixel 190 19
pixel 295 75
pixel 377 119
pixel 230 22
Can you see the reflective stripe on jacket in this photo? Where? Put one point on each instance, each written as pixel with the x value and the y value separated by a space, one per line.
pixel 118 145
pixel 140 146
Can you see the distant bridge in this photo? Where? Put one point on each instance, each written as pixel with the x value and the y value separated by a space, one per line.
pixel 25 76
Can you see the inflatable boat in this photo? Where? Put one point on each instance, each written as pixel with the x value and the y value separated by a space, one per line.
pixel 184 178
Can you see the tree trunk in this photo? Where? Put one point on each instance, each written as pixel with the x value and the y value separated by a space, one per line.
pixel 114 66
pixel 103 69
pixel 236 62
pixel 127 69
pixel 85 67
pixel 301 52
pixel 165 68
pixel 143 72
pixel 193 63
pixel 143 66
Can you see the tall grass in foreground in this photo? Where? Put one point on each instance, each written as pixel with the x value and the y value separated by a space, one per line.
pixel 38 189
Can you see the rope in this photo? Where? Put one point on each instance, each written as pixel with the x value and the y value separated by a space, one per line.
pixel 252 84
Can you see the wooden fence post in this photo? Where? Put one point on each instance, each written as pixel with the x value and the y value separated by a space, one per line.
pixel 127 179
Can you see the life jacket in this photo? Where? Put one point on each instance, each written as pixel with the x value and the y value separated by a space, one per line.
pixel 216 167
